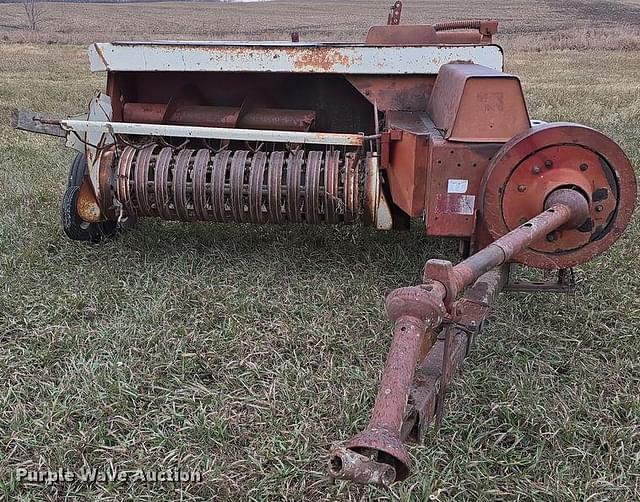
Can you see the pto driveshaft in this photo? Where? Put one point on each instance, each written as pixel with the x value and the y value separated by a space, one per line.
pixel 377 455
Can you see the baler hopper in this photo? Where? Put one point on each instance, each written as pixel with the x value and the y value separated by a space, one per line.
pixel 418 122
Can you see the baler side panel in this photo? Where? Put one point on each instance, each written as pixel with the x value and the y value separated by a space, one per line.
pixel 408 157
pixel 407 173
pixel 114 91
pixel 454 186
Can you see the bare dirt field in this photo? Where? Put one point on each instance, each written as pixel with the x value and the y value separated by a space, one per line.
pixel 244 352
pixel 536 23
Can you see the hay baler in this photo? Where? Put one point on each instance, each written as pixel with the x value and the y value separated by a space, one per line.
pixel 419 121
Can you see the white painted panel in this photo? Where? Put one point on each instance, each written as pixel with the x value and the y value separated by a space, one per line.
pixel 316 138
pixel 301 58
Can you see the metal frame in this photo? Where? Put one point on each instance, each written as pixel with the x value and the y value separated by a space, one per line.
pixel 351 59
pixel 313 138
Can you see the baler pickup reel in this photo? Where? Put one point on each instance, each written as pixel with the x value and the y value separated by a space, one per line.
pixel 419 121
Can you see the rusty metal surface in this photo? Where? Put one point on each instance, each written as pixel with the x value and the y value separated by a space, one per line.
pixel 472 103
pixel 485 269
pixel 419 310
pixel 551 197
pixel 408 156
pixel 103 128
pixel 534 164
pixel 563 283
pixel 114 89
pixel 382 446
pixel 414 311
pixel 40 123
pixel 320 92
pixel 407 173
pixel 395 92
pixel 564 207
pixel 435 177
pixel 509 245
pixel 349 465
pixel 430 380
pixel 105 189
pixel 372 188
pixel 87 206
pixel 571 197
pixel 461 37
pixel 414 122
pixel 377 211
pixel 279 57
pixel 454 185
pixel 91 143
pixel 240 185
pixel 220 116
pixel 406 34
pixel 395 14
pixel 486 29
pixel 439 33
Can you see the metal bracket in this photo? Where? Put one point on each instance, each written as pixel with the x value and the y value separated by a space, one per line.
pixel 434 373
pixel 394 15
pixel 385 146
pixel 564 283
pixel 41 123
pixel 446 355
pixel 442 272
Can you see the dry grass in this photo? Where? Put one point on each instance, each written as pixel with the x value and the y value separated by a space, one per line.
pixel 244 351
pixel 614 38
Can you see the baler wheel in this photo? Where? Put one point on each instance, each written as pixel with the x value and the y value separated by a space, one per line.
pixel 77 170
pixel 74 227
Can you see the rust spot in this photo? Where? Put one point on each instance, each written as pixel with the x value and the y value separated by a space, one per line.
pixel 87 205
pixel 321 59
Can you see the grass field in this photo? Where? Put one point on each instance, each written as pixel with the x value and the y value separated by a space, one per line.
pixel 244 352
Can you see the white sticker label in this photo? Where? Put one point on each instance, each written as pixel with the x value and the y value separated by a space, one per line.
pixel 467 204
pixel 457 186
pixel 456 204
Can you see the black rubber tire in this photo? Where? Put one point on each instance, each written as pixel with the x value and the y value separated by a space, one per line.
pixel 77 170
pixel 74 227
